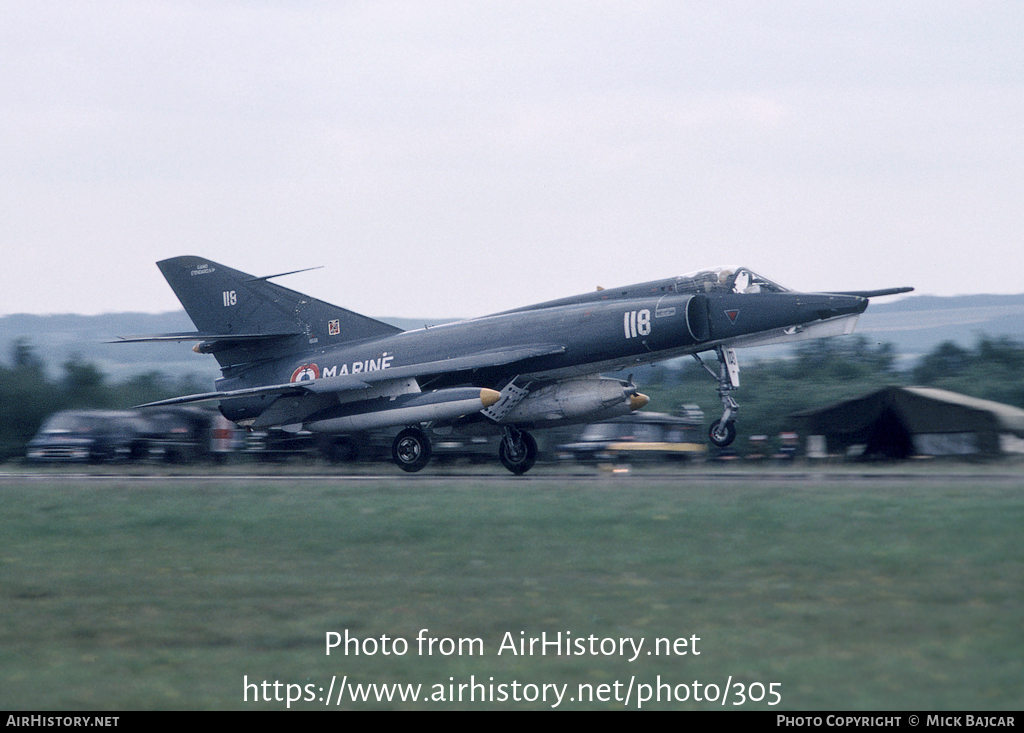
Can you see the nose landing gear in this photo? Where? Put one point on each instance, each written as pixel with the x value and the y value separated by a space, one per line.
pixel 722 434
pixel 723 430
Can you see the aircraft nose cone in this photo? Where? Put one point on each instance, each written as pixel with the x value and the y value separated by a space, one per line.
pixel 841 305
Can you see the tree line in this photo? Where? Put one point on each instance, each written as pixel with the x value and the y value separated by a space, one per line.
pixel 28 395
pixel 825 371
pixel 816 373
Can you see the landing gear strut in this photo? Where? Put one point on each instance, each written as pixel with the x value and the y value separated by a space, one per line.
pixel 518 451
pixel 411 450
pixel 723 430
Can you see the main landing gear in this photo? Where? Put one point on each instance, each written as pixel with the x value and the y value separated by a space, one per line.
pixel 411 450
pixel 518 451
pixel 723 430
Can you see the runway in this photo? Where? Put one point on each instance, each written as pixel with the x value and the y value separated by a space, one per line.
pixel 621 474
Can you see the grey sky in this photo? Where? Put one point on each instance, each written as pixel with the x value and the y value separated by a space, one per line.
pixel 460 158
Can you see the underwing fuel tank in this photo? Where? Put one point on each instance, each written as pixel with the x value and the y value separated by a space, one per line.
pixel 577 400
pixel 442 404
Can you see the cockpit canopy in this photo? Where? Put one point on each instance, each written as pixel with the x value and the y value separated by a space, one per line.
pixel 727 280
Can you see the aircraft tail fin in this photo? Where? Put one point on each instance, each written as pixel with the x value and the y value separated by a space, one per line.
pixel 248 318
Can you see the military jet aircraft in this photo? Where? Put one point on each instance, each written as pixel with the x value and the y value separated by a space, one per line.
pixel 294 362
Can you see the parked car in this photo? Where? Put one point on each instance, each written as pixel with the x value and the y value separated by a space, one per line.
pixel 169 434
pixel 93 436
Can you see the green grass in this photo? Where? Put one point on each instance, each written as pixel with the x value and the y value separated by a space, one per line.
pixel 854 595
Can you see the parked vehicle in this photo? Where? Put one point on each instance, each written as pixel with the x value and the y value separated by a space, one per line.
pixel 190 435
pixel 171 434
pixel 93 436
pixel 371 446
pixel 641 436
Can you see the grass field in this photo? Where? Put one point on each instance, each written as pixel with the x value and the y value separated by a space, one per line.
pixel 848 595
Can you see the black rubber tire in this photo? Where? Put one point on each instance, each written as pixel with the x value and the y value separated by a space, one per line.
pixel 520 460
pixel 722 435
pixel 411 450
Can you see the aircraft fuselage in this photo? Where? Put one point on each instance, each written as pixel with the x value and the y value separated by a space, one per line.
pixel 592 335
pixel 294 362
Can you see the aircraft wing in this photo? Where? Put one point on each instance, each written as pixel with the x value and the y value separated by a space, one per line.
pixel 478 360
pixel 290 387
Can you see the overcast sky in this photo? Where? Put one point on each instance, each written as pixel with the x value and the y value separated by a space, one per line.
pixel 460 158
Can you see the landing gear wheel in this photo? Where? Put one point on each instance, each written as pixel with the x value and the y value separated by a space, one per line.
pixel 722 435
pixel 411 450
pixel 518 451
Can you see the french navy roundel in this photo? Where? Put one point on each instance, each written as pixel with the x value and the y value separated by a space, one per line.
pixel 306 373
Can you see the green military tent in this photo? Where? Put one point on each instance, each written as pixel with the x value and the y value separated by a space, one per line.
pixel 902 422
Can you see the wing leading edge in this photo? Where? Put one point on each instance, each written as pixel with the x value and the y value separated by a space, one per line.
pixel 326 385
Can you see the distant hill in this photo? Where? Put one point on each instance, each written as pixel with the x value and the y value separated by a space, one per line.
pixel 57 338
pixel 915 325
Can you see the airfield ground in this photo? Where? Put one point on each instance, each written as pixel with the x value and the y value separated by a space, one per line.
pixel 863 592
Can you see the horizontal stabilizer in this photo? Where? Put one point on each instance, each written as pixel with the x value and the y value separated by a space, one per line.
pixel 196 336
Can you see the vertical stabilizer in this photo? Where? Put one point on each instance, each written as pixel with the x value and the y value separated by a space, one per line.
pixel 226 302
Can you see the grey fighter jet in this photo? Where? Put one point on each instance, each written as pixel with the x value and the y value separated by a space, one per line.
pixel 294 362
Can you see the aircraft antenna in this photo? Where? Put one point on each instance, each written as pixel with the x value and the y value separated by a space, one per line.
pixel 282 274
